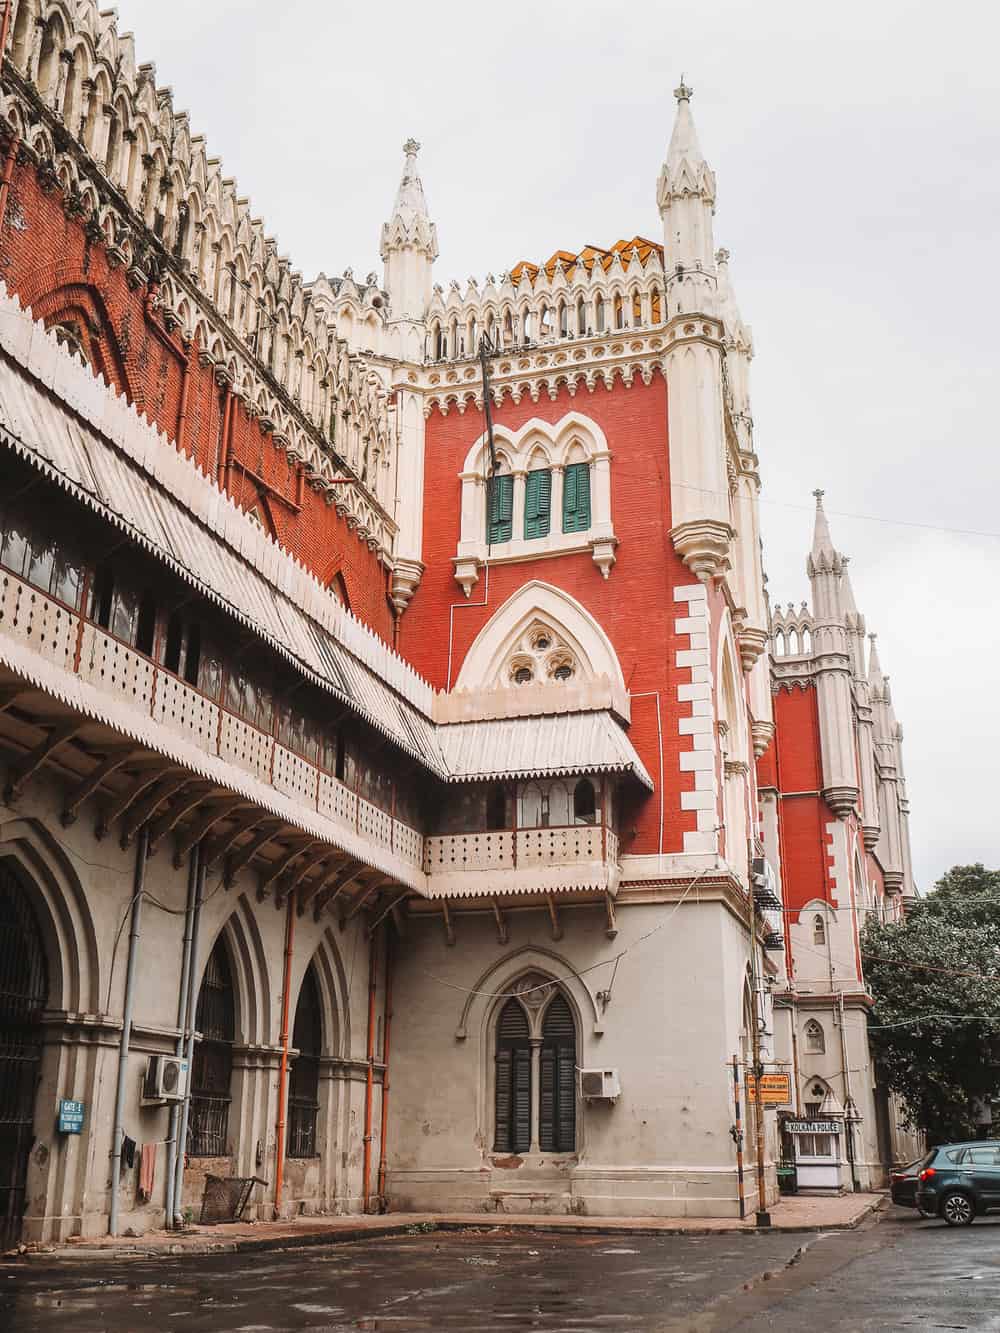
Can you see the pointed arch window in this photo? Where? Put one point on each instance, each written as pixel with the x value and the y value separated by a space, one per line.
pixel 500 509
pixel 819 929
pixel 212 1067
pixel 538 503
pixel 576 497
pixel 815 1038
pixel 557 1079
pixel 303 1081
pixel 513 1081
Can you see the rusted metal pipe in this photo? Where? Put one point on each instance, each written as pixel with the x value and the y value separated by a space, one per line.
pixel 386 1024
pixel 369 1079
pixel 223 467
pixel 183 407
pixel 279 1129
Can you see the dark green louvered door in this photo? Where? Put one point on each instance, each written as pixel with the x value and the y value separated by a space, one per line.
pixel 557 1094
pixel 537 504
pixel 576 498
pixel 513 1081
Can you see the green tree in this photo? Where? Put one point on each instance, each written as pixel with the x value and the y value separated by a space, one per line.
pixel 935 980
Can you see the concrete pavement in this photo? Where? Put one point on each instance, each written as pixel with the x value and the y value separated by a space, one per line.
pixel 800 1213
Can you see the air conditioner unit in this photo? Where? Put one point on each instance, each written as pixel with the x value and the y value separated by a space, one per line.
pixel 600 1085
pixel 166 1080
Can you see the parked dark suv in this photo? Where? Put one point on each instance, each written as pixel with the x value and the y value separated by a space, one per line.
pixel 959 1180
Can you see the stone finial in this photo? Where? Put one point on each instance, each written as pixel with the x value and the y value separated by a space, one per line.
pixel 683 92
pixel 818 494
pixel 411 148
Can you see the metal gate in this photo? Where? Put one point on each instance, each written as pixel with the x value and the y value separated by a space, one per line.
pixel 24 989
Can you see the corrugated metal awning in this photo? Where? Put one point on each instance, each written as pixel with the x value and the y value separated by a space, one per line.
pixel 522 747
pixel 94 445
pixel 45 433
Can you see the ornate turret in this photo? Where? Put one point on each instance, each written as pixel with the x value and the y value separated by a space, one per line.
pixel 833 663
pixel 409 245
pixel 686 198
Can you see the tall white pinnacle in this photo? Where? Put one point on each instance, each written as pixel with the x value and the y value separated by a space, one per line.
pixel 409 244
pixel 686 198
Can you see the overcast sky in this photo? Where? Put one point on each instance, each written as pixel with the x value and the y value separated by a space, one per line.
pixel 856 148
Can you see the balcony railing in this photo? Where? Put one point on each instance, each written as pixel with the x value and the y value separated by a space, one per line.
pixel 467 863
pixel 71 643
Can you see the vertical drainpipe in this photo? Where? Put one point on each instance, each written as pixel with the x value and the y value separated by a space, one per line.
pixel 369 1080
pixel 192 983
pixel 182 996
pixel 386 1023
pixel 279 1147
pixel 118 1134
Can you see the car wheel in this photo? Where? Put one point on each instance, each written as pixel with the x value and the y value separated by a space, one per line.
pixel 957 1209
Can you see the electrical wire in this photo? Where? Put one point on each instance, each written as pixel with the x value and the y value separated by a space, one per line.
pixel 605 962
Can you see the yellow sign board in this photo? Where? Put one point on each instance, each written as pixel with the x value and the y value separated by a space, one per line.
pixel 775 1089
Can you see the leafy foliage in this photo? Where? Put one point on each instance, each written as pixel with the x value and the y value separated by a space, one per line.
pixel 943 959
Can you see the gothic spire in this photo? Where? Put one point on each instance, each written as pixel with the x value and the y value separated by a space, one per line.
pixel 823 555
pixel 410 224
pixel 686 198
pixel 409 245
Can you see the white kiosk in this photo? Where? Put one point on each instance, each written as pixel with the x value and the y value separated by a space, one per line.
pixel 818 1154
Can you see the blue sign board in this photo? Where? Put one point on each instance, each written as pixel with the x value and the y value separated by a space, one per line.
pixel 70 1117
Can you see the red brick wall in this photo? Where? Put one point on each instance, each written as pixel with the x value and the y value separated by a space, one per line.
pixel 634 606
pixel 47 258
pixel 793 763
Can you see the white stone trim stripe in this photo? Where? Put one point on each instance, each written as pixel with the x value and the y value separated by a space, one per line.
pixel 699 723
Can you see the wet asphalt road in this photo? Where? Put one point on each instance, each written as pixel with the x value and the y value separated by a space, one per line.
pixel 902 1274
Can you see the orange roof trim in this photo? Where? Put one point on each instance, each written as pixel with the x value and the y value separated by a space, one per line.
pixel 587 258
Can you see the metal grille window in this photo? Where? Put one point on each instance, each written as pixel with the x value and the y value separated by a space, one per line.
pixel 557 1077
pixel 212 1068
pixel 513 1081
pixel 24 988
pixel 303 1081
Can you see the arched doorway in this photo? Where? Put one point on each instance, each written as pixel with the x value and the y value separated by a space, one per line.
pixel 212 1067
pixel 24 988
pixel 303 1082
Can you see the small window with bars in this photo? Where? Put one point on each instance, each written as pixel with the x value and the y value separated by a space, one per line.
pixel 212 1067
pixel 537 504
pixel 500 509
pixel 303 1081
pixel 576 497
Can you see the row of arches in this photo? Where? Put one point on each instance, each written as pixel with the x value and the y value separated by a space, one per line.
pixel 87 75
pixel 51 971
pixel 792 641
pixel 545 319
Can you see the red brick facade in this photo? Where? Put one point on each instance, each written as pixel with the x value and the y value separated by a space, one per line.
pixel 634 605
pixel 54 263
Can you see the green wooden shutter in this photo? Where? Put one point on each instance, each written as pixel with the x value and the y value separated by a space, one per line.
pixel 500 509
pixel 576 498
pixel 557 1072
pixel 504 1097
pixel 538 504
pixel 522 1099
pixel 513 1081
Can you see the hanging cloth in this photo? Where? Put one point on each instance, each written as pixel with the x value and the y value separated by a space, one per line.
pixel 128 1151
pixel 147 1171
